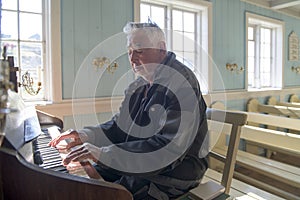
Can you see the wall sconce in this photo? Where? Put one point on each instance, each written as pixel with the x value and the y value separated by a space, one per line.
pixel 296 69
pixel 234 67
pixel 27 83
pixel 101 62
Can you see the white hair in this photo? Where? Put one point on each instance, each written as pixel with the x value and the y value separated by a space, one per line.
pixel 152 30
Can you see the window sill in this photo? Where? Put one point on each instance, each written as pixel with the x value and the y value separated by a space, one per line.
pixel 263 89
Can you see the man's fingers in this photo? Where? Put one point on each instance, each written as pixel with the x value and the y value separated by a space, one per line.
pixel 83 157
pixel 65 135
pixel 73 154
pixel 54 142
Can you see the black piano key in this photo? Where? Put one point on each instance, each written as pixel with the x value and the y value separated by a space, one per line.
pixel 37 158
pixel 46 156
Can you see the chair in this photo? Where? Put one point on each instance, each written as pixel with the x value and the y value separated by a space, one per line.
pixel 236 119
pixel 228 123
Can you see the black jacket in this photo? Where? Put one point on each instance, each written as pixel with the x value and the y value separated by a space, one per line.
pixel 160 129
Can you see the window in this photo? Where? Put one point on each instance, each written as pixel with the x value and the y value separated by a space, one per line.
pixel 264 52
pixel 23 32
pixel 186 27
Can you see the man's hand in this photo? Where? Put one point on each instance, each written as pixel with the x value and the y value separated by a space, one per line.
pixel 82 153
pixel 75 139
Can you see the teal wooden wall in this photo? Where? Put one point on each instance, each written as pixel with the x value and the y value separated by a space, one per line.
pixel 229 40
pixel 90 23
pixel 84 25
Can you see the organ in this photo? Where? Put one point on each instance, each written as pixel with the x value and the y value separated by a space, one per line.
pixel 33 170
pixel 30 169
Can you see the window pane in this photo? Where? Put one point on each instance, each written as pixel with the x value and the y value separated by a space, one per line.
pixel 189 60
pixel 177 20
pixel 177 41
pixel 158 16
pixel 251 49
pixel 9 4
pixel 265 80
pixel 266 35
pixel 31 55
pixel 34 32
pixel 189 42
pixel 251 79
pixel 145 12
pixel 31 5
pixel 179 55
pixel 9 25
pixel 251 65
pixel 265 65
pixel 189 22
pixel 250 33
pixel 266 51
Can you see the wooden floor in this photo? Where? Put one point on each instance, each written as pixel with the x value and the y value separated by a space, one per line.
pixel 279 157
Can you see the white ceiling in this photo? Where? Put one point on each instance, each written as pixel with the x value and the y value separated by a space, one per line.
pixel 291 7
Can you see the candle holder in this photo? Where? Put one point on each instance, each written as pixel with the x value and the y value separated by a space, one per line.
pixel 234 68
pixel 28 84
pixel 104 61
pixel 296 69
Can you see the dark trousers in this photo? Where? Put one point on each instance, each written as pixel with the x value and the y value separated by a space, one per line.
pixel 136 185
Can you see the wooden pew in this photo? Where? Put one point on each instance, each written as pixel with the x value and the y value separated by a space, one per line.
pixel 273 140
pixel 253 105
pixel 273 101
pixel 294 99
pixel 223 123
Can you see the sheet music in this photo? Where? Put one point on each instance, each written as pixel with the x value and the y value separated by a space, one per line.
pixel 22 126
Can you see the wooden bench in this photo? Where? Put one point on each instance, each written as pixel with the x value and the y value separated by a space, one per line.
pixel 230 122
pixel 294 98
pixel 273 101
pixel 275 170
pixel 274 141
pixel 253 105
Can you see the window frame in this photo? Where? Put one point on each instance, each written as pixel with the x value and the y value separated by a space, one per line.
pixel 51 54
pixel 277 50
pixel 205 38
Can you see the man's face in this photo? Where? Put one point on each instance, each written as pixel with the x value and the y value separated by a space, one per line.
pixel 143 56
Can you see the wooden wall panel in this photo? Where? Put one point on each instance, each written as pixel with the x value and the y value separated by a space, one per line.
pixel 85 24
pixel 229 41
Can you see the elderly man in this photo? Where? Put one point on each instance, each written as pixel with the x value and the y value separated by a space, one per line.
pixel 155 146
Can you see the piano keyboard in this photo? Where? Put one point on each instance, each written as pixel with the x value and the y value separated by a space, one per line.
pixel 51 158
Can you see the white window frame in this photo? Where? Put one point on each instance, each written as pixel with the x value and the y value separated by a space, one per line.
pixel 54 50
pixel 203 35
pixel 51 57
pixel 277 52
